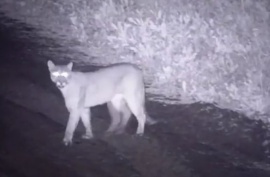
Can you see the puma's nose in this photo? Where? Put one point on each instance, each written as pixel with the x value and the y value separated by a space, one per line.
pixel 61 84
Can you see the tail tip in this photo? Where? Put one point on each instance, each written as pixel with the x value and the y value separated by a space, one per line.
pixel 151 121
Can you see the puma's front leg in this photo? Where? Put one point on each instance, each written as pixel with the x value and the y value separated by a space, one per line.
pixel 71 126
pixel 86 120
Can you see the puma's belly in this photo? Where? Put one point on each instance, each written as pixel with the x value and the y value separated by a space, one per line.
pixel 95 100
pixel 112 87
pixel 98 97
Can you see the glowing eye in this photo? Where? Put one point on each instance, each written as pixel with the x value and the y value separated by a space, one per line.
pixel 64 74
pixel 56 74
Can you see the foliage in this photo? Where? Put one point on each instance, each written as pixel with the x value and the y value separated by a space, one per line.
pixel 207 51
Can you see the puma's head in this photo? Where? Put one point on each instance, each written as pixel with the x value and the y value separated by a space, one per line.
pixel 60 74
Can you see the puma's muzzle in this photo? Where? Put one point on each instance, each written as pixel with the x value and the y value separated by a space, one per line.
pixel 61 84
pixel 60 79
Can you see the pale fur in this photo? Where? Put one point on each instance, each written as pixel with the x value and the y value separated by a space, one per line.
pixel 121 86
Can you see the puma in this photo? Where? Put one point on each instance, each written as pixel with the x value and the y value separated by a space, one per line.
pixel 121 86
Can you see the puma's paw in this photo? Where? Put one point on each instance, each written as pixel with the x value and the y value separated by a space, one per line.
pixel 136 136
pixel 108 133
pixel 67 139
pixel 87 136
pixel 139 134
pixel 111 130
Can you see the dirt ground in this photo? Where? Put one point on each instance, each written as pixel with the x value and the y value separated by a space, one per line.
pixel 197 140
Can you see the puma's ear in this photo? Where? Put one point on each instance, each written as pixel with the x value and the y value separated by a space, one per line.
pixel 50 64
pixel 70 65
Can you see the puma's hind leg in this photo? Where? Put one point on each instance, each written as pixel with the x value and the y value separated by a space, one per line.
pixel 125 116
pixel 115 117
pixel 119 113
pixel 135 102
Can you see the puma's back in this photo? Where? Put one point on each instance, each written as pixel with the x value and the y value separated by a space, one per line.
pixel 119 79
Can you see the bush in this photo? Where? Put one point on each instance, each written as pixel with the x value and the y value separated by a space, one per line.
pixel 207 51
pixel 210 51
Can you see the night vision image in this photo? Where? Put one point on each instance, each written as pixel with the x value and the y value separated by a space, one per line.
pixel 135 88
